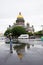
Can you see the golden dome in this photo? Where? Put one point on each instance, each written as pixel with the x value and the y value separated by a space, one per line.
pixel 20 55
pixel 19 16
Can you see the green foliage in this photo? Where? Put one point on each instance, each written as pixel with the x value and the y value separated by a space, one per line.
pixel 38 33
pixel 18 30
pixel 29 33
pixel 7 32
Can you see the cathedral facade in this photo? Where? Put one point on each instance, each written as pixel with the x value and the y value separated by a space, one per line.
pixel 21 22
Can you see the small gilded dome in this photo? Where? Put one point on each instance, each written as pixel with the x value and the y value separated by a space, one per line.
pixel 19 16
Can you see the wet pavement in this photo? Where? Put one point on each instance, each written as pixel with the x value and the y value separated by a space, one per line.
pixel 23 54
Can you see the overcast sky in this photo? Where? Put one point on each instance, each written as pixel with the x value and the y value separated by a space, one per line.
pixel 32 11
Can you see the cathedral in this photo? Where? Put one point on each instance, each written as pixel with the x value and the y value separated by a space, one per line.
pixel 21 22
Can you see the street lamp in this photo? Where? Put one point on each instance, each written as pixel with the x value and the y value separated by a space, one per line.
pixel 10 37
pixel 42 28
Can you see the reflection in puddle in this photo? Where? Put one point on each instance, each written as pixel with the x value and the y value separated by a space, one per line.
pixel 20 49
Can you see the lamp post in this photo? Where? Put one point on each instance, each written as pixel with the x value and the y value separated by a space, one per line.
pixel 42 28
pixel 10 37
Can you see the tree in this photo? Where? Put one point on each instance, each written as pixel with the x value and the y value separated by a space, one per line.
pixel 18 30
pixel 7 32
pixel 38 33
